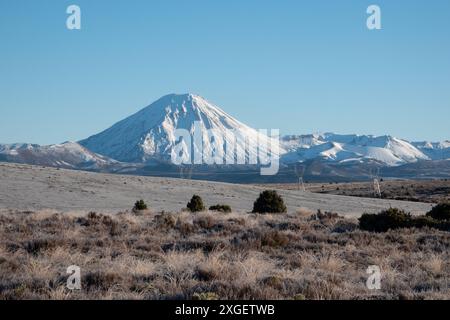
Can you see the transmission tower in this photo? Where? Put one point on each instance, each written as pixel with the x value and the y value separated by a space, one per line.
pixel 376 187
pixel 376 183
pixel 186 171
pixel 299 172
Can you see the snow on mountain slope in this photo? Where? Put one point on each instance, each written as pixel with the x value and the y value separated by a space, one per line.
pixel 334 147
pixel 149 135
pixel 402 150
pixel 434 150
pixel 331 151
pixel 294 142
pixel 69 155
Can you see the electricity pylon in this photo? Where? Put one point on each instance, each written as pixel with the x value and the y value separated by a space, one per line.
pixel 186 171
pixel 299 172
pixel 376 183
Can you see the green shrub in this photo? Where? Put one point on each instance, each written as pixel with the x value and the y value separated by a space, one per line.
pixel 440 212
pixel 424 221
pixel 395 218
pixel 269 201
pixel 392 218
pixel 196 204
pixel 140 205
pixel 221 208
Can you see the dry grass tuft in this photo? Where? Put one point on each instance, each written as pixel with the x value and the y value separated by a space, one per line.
pixel 208 256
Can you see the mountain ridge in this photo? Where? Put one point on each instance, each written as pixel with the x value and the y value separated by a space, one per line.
pixel 68 155
pixel 337 147
pixel 147 138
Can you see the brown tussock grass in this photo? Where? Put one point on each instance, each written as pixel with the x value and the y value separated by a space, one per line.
pixel 175 255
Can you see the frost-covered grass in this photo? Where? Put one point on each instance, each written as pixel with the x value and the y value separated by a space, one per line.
pixel 156 255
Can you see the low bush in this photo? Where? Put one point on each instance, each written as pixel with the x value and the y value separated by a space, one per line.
pixel 269 201
pixel 424 221
pixel 140 205
pixel 196 204
pixel 440 212
pixel 394 218
pixel 221 208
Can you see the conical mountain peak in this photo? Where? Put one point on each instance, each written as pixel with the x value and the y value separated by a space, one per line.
pixel 150 133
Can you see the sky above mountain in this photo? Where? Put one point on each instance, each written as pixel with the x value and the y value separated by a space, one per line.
pixel 299 66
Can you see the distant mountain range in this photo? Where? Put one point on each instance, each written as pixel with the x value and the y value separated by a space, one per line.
pixel 67 155
pixel 388 150
pixel 144 142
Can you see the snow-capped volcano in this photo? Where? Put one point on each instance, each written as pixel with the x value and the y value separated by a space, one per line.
pixel 150 134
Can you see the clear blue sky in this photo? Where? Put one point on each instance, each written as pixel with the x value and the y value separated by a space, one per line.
pixel 300 66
